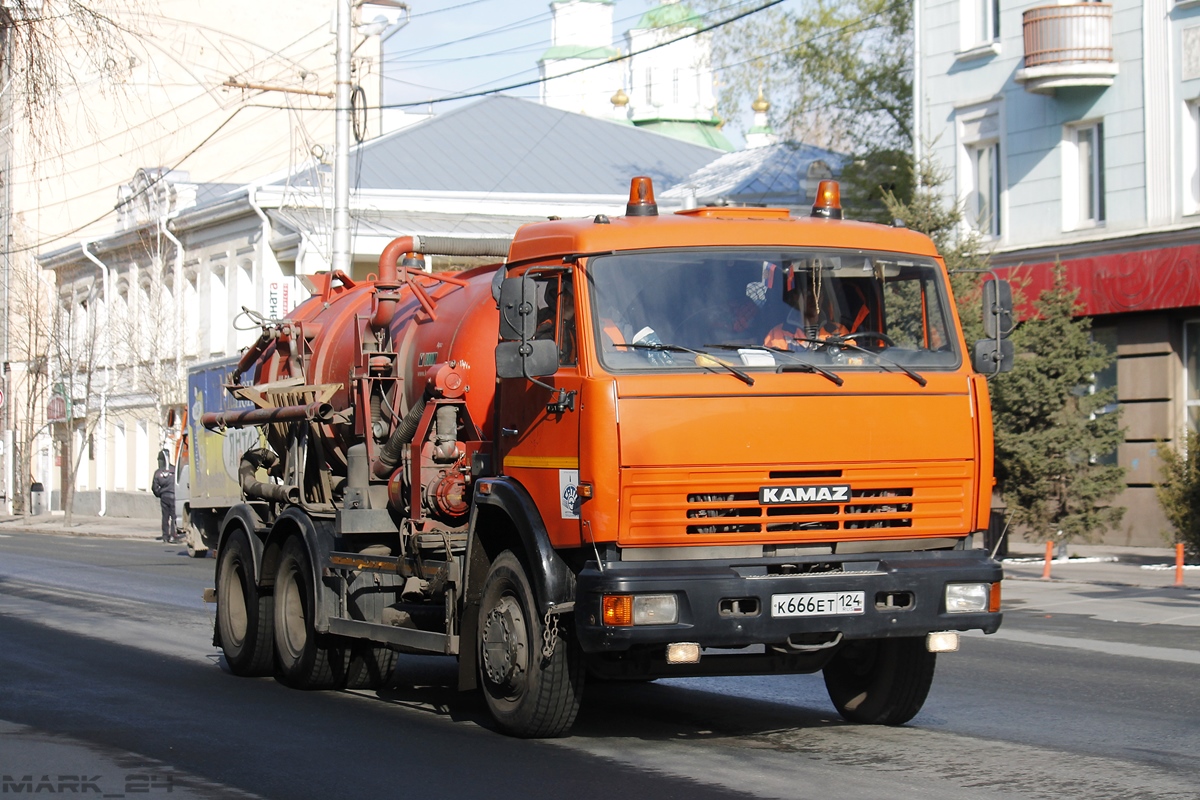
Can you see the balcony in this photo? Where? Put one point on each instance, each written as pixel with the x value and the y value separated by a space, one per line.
pixel 1067 46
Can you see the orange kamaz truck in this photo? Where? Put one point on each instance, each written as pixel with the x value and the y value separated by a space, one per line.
pixel 721 441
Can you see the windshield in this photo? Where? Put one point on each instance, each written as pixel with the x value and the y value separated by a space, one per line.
pixel 822 310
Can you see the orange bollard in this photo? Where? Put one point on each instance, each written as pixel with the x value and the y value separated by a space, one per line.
pixel 1049 558
pixel 1179 564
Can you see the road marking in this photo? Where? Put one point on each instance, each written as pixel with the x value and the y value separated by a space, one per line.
pixel 1099 646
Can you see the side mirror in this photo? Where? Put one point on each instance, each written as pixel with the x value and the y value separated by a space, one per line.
pixel 518 308
pixel 997 309
pixel 993 356
pixel 534 358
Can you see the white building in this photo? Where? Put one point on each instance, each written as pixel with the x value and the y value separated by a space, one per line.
pixel 227 90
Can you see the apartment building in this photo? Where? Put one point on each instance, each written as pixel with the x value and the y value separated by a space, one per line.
pixel 1071 133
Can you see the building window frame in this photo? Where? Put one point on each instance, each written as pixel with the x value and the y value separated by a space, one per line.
pixel 1083 190
pixel 981 169
pixel 1191 374
pixel 979 27
pixel 1190 157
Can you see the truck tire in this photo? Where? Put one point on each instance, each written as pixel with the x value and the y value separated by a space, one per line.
pixel 528 696
pixel 368 594
pixel 245 616
pixel 880 681
pixel 370 666
pixel 195 545
pixel 306 659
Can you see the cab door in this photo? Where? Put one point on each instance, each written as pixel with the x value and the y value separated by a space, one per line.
pixel 538 432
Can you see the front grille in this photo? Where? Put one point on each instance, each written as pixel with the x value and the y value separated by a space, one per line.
pixel 721 505
pixel 867 509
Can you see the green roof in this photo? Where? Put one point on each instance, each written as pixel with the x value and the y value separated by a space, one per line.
pixel 578 51
pixel 670 15
pixel 703 132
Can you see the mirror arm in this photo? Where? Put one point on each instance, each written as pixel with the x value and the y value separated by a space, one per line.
pixel 563 400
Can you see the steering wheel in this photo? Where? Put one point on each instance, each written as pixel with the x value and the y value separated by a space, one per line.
pixel 883 337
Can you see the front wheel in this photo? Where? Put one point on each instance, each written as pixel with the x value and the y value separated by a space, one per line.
pixel 880 681
pixel 528 695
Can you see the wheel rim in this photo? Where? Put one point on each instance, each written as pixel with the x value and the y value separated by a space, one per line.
pixel 505 644
pixel 233 605
pixel 295 629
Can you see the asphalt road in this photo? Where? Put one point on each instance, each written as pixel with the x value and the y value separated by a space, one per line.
pixel 108 679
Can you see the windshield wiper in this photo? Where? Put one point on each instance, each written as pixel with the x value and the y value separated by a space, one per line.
pixel 841 341
pixel 796 366
pixel 678 348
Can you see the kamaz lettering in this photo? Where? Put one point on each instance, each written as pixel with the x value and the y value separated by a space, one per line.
pixel 771 495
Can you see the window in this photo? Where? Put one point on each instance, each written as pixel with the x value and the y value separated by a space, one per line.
pixel 979 25
pixel 1191 374
pixel 141 453
pixel 700 310
pixel 1083 176
pixel 218 311
pixel 120 451
pixel 556 314
pixel 984 204
pixel 1191 158
pixel 1104 380
pixel 981 168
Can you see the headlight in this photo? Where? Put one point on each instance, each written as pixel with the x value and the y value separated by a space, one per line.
pixel 965 598
pixel 622 610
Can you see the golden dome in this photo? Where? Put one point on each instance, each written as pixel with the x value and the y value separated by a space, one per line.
pixel 620 99
pixel 760 104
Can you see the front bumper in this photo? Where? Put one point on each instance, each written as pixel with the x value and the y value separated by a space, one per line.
pixel 707 616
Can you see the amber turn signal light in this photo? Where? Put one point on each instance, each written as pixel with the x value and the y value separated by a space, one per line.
pixel 618 610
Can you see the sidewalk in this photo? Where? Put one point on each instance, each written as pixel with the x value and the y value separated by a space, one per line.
pixel 84 525
pixel 1150 567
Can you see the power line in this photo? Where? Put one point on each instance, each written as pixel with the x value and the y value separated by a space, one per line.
pixel 138 193
pixel 615 59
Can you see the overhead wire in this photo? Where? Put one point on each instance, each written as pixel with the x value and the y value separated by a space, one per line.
pixel 451 97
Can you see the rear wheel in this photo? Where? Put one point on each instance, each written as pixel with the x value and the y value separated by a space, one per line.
pixel 368 594
pixel 244 614
pixel 195 544
pixel 880 681
pixel 528 695
pixel 306 659
pixel 371 665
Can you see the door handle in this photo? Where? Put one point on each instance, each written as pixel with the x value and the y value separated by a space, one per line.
pixel 509 431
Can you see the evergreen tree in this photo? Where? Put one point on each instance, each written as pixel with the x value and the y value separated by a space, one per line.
pixel 1050 427
pixel 1179 491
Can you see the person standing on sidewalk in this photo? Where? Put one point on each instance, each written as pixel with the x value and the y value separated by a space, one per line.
pixel 163 487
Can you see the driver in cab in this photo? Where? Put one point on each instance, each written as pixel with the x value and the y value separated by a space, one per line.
pixel 807 322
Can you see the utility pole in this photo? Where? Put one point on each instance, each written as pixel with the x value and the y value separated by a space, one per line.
pixel 341 255
pixel 6 241
pixel 341 142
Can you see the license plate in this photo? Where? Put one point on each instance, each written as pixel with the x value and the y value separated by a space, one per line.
pixel 822 604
